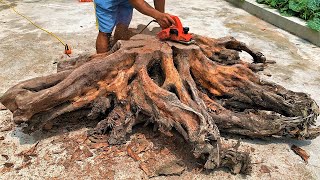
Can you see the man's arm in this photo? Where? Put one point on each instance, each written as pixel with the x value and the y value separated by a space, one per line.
pixel 159 5
pixel 163 19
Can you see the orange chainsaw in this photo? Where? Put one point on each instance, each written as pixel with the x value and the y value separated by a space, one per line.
pixel 176 33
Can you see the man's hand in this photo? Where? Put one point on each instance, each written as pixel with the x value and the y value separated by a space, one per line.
pixel 164 20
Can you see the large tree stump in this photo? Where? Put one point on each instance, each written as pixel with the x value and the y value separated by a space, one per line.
pixel 199 90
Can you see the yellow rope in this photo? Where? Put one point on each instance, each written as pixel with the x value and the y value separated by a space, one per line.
pixel 50 33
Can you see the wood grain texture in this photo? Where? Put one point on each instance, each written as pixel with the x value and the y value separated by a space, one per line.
pixel 199 90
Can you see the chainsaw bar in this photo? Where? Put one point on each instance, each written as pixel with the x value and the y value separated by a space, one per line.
pixel 185 42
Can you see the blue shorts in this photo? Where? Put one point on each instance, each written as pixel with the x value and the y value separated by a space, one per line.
pixel 112 12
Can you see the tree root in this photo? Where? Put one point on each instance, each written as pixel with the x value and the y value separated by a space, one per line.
pixel 198 90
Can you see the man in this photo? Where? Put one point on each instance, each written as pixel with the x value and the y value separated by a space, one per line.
pixel 118 13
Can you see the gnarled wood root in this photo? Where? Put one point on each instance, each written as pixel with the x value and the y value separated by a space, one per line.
pixel 199 90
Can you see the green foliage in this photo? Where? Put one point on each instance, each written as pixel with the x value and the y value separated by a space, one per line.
pixel 314 24
pixel 306 9
pixel 314 5
pixel 298 5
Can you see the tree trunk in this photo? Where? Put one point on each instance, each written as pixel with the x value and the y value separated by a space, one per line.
pixel 199 90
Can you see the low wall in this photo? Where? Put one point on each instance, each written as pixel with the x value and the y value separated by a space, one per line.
pixel 293 25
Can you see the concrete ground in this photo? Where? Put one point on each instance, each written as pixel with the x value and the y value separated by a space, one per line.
pixel 26 52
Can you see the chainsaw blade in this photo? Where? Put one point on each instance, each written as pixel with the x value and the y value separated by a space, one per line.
pixel 185 42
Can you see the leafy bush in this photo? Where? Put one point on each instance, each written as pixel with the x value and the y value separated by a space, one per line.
pixel 308 10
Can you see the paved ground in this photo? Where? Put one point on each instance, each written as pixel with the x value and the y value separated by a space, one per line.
pixel 63 153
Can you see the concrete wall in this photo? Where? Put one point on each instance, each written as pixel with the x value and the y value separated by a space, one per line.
pixel 291 24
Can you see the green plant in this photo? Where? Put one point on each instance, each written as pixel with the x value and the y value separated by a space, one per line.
pixel 308 10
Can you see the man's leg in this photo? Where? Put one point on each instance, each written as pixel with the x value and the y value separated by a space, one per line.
pixel 124 17
pixel 103 42
pixel 122 32
pixel 106 13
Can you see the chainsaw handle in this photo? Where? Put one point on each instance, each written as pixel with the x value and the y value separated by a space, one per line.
pixel 177 21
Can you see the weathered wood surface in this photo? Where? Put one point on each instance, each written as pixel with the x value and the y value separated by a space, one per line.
pixel 198 90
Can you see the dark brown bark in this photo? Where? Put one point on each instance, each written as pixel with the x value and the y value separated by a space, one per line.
pixel 199 90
